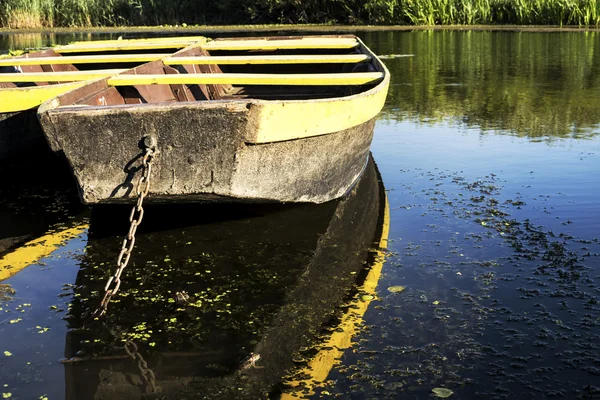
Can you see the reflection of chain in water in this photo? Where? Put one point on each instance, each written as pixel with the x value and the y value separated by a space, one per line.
pixel 142 189
pixel 146 373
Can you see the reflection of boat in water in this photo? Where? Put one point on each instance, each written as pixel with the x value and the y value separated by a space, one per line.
pixel 215 285
pixel 35 205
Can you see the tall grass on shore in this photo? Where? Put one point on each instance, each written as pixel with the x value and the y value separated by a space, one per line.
pixel 27 13
pixel 49 13
pixel 469 12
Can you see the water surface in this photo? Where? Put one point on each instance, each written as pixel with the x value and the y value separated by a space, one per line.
pixel 489 151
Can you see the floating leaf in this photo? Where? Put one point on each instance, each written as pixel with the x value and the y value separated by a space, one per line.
pixel 396 289
pixel 366 297
pixel 7 353
pixel 435 303
pixel 442 392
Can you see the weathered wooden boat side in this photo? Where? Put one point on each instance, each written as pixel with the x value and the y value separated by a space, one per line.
pixel 275 140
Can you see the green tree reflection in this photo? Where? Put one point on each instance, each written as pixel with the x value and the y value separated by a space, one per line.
pixel 527 83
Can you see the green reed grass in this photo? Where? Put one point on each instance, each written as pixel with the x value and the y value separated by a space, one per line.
pixel 37 13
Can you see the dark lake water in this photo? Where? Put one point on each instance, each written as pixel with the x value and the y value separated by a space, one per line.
pixel 488 150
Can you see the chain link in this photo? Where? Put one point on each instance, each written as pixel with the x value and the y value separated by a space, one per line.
pixel 147 374
pixel 135 219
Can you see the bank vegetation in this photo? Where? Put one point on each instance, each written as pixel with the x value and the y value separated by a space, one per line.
pixel 84 13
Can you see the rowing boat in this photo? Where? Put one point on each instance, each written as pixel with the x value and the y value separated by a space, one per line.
pixel 275 119
pixel 26 81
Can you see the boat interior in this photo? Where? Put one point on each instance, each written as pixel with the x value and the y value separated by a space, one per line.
pixel 34 68
pixel 255 71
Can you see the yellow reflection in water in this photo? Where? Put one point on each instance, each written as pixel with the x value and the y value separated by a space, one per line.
pixel 332 349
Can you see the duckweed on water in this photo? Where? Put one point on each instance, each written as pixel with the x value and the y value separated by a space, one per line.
pixel 442 392
pixel 7 293
pixel 509 296
pixel 396 289
pixel 160 322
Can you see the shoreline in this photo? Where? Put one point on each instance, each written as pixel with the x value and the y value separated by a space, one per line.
pixel 299 28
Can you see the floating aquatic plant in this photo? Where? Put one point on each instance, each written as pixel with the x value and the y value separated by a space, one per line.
pixel 396 289
pixel 442 392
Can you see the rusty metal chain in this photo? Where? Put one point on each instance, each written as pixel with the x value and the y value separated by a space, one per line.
pixel 147 374
pixel 135 219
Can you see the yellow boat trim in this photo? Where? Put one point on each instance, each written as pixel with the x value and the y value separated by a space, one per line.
pixel 231 60
pixel 35 250
pixel 121 45
pixel 21 99
pixel 141 58
pixel 68 76
pixel 358 78
pixel 296 119
pixel 287 120
pixel 332 350
pixel 296 59
pixel 189 39
pixel 263 44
